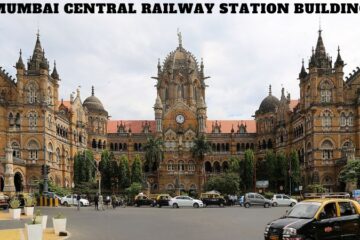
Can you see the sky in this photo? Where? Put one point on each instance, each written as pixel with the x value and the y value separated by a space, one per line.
pixel 118 54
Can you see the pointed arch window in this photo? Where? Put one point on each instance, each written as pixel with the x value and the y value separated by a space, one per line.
pixel 181 166
pixel 325 92
pixel 57 156
pixel 33 150
pixel 170 166
pixel 326 119
pixel 350 120
pixel 327 150
pixel 342 120
pixel 191 166
pixel 32 90
pixel 16 149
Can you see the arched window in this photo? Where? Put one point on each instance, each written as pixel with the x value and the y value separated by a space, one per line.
pixel 32 90
pixel 181 166
pixel 208 167
pixel 16 149
pixel 93 143
pixel 217 168
pixel 170 166
pixel 325 92
pixel 170 187
pixel 111 147
pixel 33 150
pixel 50 152
pixel 11 120
pixel 326 119
pixel 191 166
pixel 350 120
pixel 327 149
pixel 342 120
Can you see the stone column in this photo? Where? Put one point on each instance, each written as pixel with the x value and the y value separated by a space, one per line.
pixel 9 186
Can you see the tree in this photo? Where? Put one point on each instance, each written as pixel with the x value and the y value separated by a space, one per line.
pixel 84 167
pixel 280 171
pixel 351 172
pixel 227 183
pixel 124 172
pixel 136 170
pixel 294 168
pixel 133 190
pixel 234 165
pixel 200 148
pixel 105 170
pixel 153 153
pixel 270 162
pixel 247 170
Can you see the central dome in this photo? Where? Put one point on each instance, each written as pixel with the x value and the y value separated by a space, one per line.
pixel 92 103
pixel 180 60
pixel 269 104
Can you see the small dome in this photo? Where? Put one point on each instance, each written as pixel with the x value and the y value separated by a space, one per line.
pixel 92 103
pixel 269 104
pixel 180 60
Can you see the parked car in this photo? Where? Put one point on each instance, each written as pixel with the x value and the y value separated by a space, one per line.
pixel 282 199
pixel 162 200
pixel 52 195
pixel 252 199
pixel 143 200
pixel 185 201
pixel 318 219
pixel 71 200
pixel 212 199
pixel 4 201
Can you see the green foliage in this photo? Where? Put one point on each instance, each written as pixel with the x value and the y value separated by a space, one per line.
pixel 153 153
pixel 268 195
pixel 136 170
pixel 84 167
pixel 294 168
pixel 227 183
pixel 351 172
pixel 88 188
pixel 234 165
pixel 38 213
pixel 34 220
pixel 58 190
pixel 315 188
pixel 270 162
pixel 280 171
pixel 133 190
pixel 14 203
pixel 200 148
pixel 247 170
pixel 124 172
pixel 29 201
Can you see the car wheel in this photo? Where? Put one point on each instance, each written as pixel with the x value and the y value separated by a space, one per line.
pixel 175 205
pixel 247 205
pixel 292 204
pixel 221 204
pixel 81 204
pixel 275 204
pixel 266 205
pixel 159 206
pixel 196 205
pixel 136 205
pixel 66 204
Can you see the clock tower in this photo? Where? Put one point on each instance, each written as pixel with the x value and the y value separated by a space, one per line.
pixel 180 111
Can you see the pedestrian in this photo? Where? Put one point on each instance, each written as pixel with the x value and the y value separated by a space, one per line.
pixel 78 202
pixel 96 200
pixel 101 202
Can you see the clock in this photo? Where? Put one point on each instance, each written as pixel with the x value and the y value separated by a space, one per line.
pixel 180 119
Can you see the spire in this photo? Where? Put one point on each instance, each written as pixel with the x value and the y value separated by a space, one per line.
pixel 55 74
pixel 38 57
pixel 339 62
pixel 320 59
pixel 270 90
pixel 320 48
pixel 92 91
pixel 179 38
pixel 158 103
pixel 303 72
pixel 20 63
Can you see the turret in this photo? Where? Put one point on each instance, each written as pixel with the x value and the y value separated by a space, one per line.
pixel 303 73
pixel 158 107
pixel 54 73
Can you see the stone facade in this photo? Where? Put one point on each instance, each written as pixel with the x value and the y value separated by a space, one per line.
pixel 322 126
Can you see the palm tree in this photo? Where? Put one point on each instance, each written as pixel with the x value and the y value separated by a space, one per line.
pixel 153 153
pixel 200 148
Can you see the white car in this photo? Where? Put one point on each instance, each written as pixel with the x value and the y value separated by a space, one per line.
pixel 185 201
pixel 71 200
pixel 282 199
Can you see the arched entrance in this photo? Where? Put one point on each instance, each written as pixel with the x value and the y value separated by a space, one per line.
pixel 18 182
pixel 2 183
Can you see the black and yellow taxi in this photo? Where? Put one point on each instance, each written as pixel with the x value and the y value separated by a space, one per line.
pixel 317 219
pixel 143 200
pixel 162 200
pixel 212 199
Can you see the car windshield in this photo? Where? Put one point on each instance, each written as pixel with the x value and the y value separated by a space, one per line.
pixel 304 210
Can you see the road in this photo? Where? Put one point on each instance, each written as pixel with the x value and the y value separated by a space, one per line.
pixel 132 223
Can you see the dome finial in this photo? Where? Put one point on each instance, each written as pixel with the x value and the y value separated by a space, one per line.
pixel 179 38
pixel 92 91
pixel 270 90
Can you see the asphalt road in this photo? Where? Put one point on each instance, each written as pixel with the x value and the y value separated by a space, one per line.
pixel 148 223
